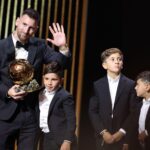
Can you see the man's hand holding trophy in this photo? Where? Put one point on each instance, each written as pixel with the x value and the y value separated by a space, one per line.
pixel 22 72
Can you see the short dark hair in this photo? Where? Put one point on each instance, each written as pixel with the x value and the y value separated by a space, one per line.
pixel 144 76
pixel 106 53
pixel 54 67
pixel 32 14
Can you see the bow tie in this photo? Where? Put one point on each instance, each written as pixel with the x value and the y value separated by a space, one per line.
pixel 19 45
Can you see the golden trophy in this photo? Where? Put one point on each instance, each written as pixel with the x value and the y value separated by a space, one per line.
pixel 22 72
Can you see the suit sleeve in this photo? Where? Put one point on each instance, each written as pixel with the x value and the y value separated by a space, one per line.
pixel 54 55
pixel 94 113
pixel 3 91
pixel 68 106
pixel 5 81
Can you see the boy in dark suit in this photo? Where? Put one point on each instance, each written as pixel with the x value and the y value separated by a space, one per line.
pixel 111 103
pixel 56 111
pixel 140 121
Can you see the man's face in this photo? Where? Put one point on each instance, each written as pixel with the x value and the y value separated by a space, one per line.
pixel 26 27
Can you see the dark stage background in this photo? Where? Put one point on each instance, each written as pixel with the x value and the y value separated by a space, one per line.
pixel 123 24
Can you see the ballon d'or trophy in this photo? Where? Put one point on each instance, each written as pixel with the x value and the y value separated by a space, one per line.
pixel 22 72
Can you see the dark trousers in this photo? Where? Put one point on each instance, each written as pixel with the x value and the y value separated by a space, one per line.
pixel 23 127
pixel 47 142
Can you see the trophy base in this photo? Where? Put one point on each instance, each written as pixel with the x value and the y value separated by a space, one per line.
pixel 31 87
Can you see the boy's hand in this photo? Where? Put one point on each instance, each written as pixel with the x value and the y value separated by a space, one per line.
pixel 125 147
pixel 66 145
pixel 118 136
pixel 108 138
pixel 142 136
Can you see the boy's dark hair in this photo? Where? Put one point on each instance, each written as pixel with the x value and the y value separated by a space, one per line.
pixel 144 76
pixel 32 14
pixel 54 67
pixel 105 54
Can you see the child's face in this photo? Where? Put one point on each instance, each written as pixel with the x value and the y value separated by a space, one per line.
pixel 113 63
pixel 141 88
pixel 52 81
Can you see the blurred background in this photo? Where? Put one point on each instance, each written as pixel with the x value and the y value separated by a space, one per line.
pixel 91 26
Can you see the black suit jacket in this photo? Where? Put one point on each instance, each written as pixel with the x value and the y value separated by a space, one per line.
pixel 61 117
pixel 39 54
pixel 132 135
pixel 100 108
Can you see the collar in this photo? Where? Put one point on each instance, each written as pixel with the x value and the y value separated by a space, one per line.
pixel 110 79
pixel 14 40
pixel 146 101
pixel 49 92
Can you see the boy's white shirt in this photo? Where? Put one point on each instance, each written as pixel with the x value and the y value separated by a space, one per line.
pixel 143 114
pixel 113 86
pixel 45 99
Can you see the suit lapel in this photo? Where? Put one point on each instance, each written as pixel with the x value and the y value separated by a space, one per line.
pixel 106 93
pixel 32 52
pixel 147 118
pixel 11 49
pixel 54 100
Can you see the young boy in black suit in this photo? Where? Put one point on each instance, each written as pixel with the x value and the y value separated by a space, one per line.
pixel 111 103
pixel 57 115
pixel 139 131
